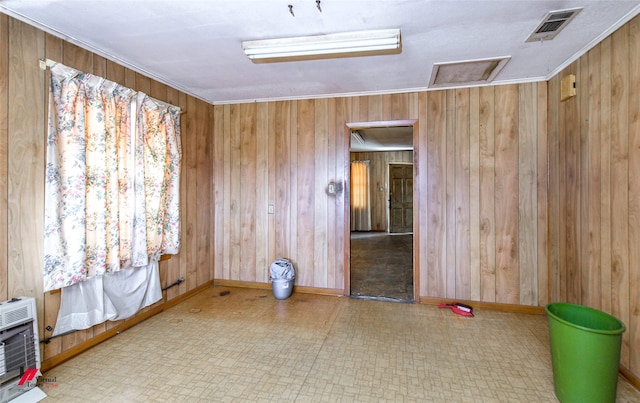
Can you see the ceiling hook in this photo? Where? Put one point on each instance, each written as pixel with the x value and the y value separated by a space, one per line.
pixel 291 10
pixel 318 5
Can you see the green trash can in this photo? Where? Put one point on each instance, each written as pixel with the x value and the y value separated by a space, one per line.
pixel 585 352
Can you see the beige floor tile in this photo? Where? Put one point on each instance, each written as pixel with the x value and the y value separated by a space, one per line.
pixel 248 346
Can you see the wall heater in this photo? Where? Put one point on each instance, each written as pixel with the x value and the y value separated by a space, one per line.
pixel 19 347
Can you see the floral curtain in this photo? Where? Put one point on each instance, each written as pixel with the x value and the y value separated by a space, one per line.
pixel 112 178
pixel 360 196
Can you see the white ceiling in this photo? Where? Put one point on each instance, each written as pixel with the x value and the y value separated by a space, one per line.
pixel 194 45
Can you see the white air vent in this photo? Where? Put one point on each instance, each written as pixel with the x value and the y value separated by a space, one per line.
pixel 552 24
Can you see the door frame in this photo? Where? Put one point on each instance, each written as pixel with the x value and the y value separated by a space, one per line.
pixel 348 128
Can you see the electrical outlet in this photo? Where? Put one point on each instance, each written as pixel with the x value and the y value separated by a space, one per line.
pixel 271 209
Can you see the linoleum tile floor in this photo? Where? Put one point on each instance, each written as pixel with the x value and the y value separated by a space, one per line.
pixel 243 345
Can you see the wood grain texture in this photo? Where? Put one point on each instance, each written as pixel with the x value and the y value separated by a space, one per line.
pixel 262 260
pixel 449 175
pixel 247 192
pixel 4 147
pixel 474 195
pixel 321 199
pixel 620 182
pixel 462 201
pixel 553 119
pixel 203 216
pixel 436 188
pixel 25 120
pixel 571 202
pixel 506 195
pixel 605 163
pixel 543 254
pixel 422 222
pixel 633 324
pixel 528 194
pixel 305 186
pixel 486 127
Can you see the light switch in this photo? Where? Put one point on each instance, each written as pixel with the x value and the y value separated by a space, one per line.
pixel 271 209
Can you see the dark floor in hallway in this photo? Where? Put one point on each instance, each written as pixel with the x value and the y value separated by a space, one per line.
pixel 382 266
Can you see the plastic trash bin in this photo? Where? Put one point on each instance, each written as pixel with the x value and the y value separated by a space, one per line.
pixel 282 275
pixel 585 352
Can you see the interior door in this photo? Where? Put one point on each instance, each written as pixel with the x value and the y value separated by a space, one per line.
pixel 401 198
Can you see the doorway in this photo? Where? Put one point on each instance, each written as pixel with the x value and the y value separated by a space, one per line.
pixel 381 255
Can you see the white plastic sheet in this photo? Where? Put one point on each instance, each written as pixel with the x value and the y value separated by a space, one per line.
pixel 113 296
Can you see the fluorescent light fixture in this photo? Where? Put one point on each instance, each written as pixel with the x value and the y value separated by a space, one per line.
pixel 358 136
pixel 345 44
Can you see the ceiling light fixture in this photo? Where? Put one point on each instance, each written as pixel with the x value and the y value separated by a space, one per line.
pixel 360 43
pixel 358 136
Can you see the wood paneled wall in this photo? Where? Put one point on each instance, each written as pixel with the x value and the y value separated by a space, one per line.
pixel 23 93
pixel 595 185
pixel 379 179
pixel 481 189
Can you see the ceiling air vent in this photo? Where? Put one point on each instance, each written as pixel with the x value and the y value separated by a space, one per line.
pixel 552 24
pixel 467 72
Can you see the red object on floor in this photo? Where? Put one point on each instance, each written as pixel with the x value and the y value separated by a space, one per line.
pixel 460 309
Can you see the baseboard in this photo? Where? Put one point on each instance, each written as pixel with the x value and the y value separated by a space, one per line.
pixel 633 380
pixel 114 331
pixel 490 306
pixel 512 308
pixel 267 286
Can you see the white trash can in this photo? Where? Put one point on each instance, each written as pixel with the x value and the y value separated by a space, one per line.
pixel 282 278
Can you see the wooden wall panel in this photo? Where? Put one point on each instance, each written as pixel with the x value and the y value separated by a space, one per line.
pixel 449 177
pixel 620 180
pixel 321 199
pixel 423 235
pixel 25 157
pixel 598 133
pixel 506 194
pixel 553 118
pixel 247 191
pixel 605 164
pixel 262 260
pixel 436 190
pixel 543 196
pixel 189 216
pixel 528 194
pixel 474 195
pixel 462 202
pixel 593 257
pixel 486 135
pixel 634 201
pixel 4 147
pixel 307 156
pixel 305 186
